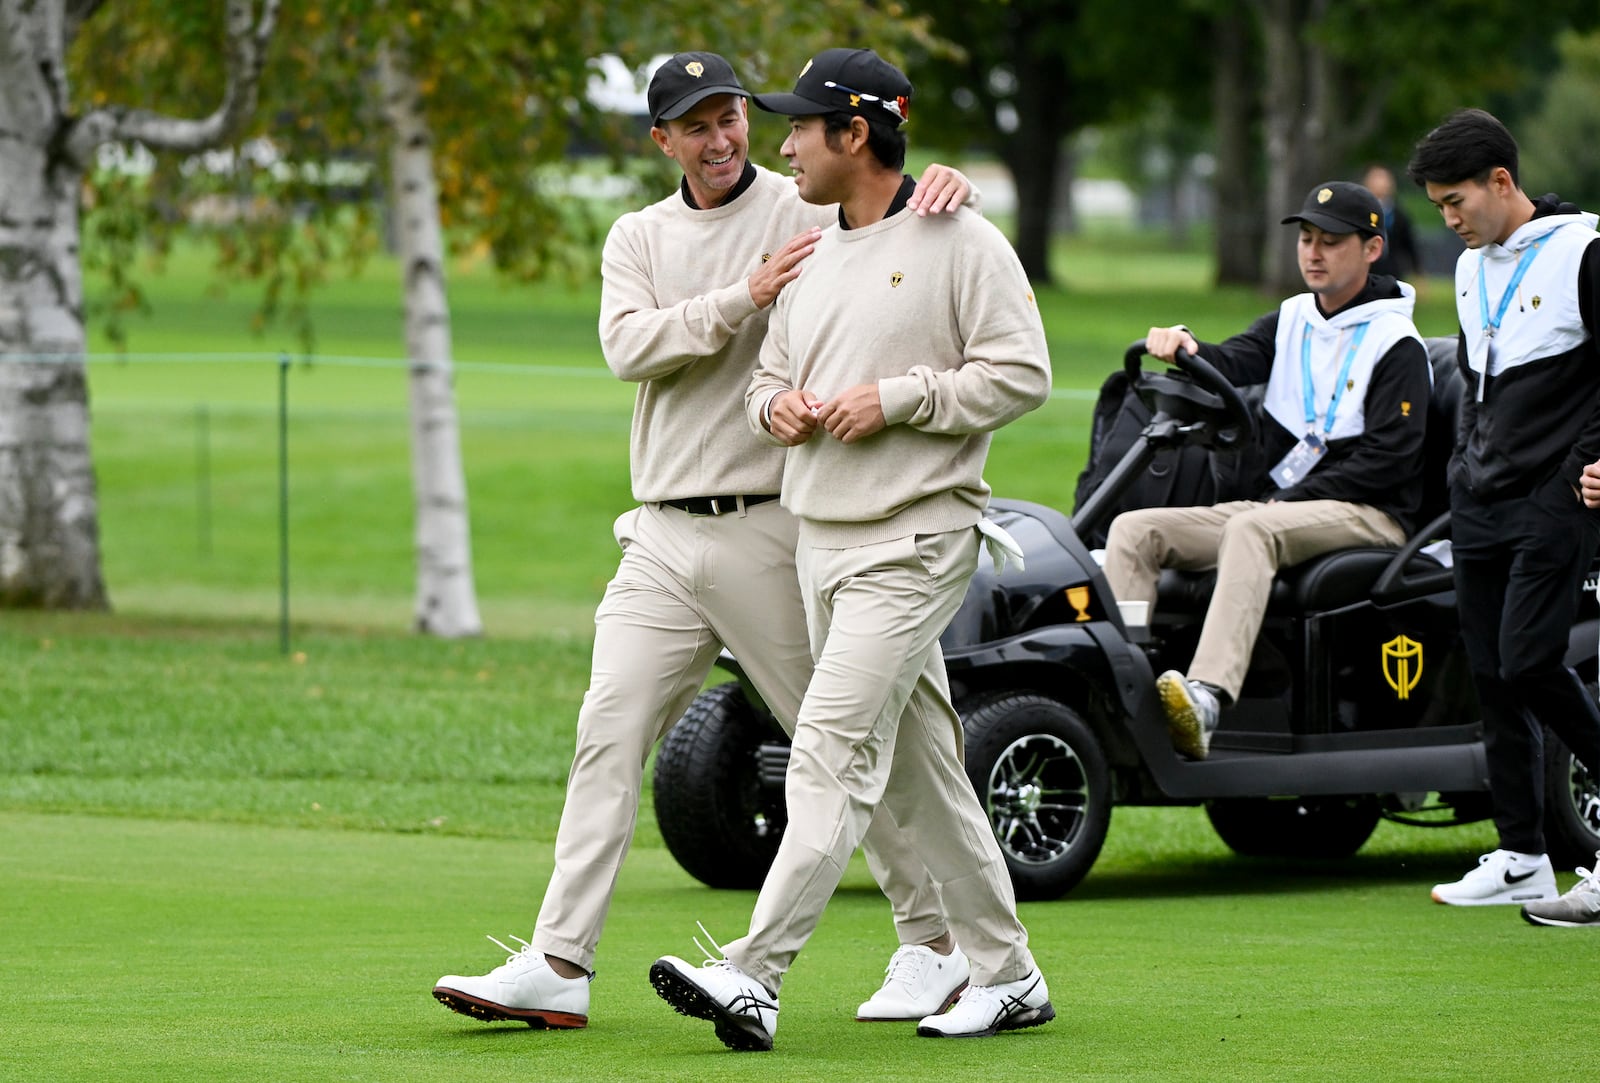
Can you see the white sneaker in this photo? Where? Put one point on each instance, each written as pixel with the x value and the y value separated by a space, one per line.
pixel 919 982
pixel 743 1012
pixel 986 1010
pixel 524 990
pixel 1502 878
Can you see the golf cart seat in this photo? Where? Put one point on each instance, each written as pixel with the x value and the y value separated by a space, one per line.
pixel 1346 576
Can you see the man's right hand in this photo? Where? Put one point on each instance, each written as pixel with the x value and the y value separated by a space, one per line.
pixel 1589 483
pixel 782 267
pixel 794 416
pixel 1164 342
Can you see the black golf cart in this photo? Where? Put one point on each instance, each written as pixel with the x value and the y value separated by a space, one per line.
pixel 1358 705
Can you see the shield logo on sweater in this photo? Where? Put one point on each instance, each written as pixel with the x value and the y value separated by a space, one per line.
pixel 1536 300
pixel 895 279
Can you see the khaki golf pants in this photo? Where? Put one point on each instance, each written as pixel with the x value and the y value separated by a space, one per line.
pixel 687 585
pixel 1246 541
pixel 877 732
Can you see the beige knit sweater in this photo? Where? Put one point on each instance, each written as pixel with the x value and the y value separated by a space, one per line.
pixel 938 311
pixel 676 317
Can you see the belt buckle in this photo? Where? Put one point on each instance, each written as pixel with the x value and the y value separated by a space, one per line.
pixel 718 509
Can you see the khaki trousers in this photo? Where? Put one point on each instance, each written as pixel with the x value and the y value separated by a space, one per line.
pixel 877 732
pixel 1246 541
pixel 686 586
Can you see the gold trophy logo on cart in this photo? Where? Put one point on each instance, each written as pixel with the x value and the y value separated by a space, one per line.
pixel 1078 598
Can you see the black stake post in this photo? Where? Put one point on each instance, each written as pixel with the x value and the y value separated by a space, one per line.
pixel 283 503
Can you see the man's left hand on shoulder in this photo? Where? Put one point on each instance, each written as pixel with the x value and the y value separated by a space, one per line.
pixel 853 414
pixel 939 190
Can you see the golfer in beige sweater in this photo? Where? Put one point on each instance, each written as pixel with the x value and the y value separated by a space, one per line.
pixel 708 555
pixel 903 343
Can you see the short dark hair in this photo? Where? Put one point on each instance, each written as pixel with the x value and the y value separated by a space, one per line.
pixel 887 144
pixel 1468 145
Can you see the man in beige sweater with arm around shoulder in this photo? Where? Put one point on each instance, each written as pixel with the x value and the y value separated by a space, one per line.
pixel 903 343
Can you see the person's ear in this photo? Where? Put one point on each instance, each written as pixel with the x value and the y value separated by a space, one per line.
pixel 662 140
pixel 858 134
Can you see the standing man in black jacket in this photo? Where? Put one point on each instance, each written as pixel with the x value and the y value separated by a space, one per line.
pixel 1346 405
pixel 1528 300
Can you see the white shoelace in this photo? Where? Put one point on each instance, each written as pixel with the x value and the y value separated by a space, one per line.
pixel 1588 882
pixel 905 966
pixel 512 953
pixel 711 960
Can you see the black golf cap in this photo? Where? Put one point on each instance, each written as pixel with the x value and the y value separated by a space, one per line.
pixel 685 80
pixel 846 81
pixel 1341 207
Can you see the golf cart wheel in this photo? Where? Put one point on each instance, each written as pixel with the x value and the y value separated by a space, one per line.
pixel 717 817
pixel 1309 827
pixel 1041 777
pixel 1571 807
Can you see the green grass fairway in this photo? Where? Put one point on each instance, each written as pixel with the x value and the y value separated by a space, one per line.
pixel 219 861
pixel 139 949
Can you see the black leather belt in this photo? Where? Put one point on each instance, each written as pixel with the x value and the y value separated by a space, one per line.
pixel 718 505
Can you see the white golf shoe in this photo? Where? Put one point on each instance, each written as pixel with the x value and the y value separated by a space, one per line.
pixel 918 982
pixel 523 989
pixel 986 1010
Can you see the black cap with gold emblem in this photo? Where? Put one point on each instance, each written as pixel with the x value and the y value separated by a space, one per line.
pixel 684 80
pixel 846 81
pixel 1342 207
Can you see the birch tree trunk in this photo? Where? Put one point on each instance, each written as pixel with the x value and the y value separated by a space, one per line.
pixel 49 517
pixel 447 602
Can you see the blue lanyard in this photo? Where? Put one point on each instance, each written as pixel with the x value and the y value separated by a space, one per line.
pixel 1490 326
pixel 1308 389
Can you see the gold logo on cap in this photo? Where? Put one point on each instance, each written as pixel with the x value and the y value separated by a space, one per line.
pixel 695 68
pixel 805 69
pixel 1325 195
pixel 1398 655
pixel 855 101
pixel 896 278
pixel 1536 300
pixel 1374 218
pixel 1078 598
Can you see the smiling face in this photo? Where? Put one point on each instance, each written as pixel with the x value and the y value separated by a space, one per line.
pixel 818 164
pixel 1335 265
pixel 711 142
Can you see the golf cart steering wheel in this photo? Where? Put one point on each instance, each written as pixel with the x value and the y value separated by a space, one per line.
pixel 1196 387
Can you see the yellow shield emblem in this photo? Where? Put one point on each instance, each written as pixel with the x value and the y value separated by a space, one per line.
pixel 1402 665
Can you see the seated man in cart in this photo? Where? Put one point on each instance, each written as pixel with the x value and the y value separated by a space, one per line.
pixel 1347 384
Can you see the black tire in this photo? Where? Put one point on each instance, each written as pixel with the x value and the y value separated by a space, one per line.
pixel 1571 806
pixel 1324 828
pixel 1042 779
pixel 716 816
